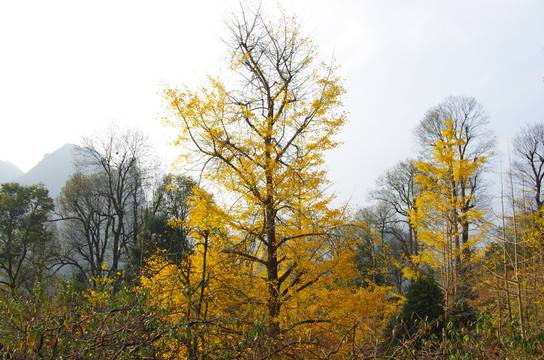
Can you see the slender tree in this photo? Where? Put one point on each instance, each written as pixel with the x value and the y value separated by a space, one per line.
pixel 470 122
pixel 398 189
pixel 440 215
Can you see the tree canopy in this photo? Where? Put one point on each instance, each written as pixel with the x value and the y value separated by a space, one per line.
pixel 261 135
pixel 25 233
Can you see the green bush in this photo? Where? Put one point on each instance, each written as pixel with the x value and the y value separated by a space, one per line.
pixel 422 313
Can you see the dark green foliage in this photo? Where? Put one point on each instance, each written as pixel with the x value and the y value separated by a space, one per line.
pixel 424 299
pixel 163 236
pixel 423 311
pixel 461 314
pixel 25 236
pixel 162 232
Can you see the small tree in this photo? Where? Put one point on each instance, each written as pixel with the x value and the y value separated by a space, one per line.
pixel 424 303
pixel 397 191
pixel 164 221
pixel 25 235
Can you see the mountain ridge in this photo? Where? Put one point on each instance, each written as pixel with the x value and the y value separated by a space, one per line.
pixel 52 171
pixel 9 171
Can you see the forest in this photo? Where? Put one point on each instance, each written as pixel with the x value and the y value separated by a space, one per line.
pixel 241 252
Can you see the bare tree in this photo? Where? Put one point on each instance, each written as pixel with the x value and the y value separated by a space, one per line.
pixel 105 200
pixel 398 188
pixel 88 219
pixel 468 117
pixel 529 163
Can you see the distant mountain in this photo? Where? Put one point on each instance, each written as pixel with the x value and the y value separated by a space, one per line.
pixel 53 171
pixel 9 172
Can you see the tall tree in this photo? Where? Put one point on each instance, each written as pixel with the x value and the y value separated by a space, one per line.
pixel 120 155
pixel 470 123
pixel 105 200
pixel 217 301
pixel 440 215
pixel 262 139
pixel 25 234
pixel 88 220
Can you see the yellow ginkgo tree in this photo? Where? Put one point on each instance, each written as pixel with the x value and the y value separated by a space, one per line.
pixel 199 296
pixel 260 140
pixel 441 213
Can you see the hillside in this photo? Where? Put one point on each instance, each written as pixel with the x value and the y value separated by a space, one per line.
pixel 9 172
pixel 53 170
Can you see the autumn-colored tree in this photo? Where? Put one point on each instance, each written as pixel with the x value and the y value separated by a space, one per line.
pixel 440 213
pixel 204 294
pixel 470 122
pixel 261 139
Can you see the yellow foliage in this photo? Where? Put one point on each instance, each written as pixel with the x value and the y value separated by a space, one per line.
pixel 319 305
pixel 320 315
pixel 441 213
pixel 269 262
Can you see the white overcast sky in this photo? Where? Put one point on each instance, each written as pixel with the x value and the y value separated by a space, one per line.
pixel 70 67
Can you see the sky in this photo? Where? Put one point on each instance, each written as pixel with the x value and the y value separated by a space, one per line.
pixel 68 68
